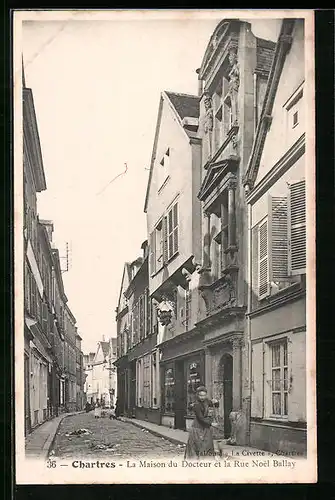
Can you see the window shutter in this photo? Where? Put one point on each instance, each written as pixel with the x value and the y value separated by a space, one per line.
pixel 152 253
pixel 297 228
pixel 175 228
pixel 165 240
pixel 257 380
pixel 297 378
pixel 255 264
pixel 278 243
pixel 263 261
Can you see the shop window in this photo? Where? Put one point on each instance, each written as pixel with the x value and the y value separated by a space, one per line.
pixel 193 382
pixel 169 390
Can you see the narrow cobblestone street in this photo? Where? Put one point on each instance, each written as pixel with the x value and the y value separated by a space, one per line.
pixel 109 438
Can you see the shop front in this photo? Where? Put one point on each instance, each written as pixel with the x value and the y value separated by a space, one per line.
pixel 182 372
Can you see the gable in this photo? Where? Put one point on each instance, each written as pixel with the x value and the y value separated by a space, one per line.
pixel 122 303
pixel 179 114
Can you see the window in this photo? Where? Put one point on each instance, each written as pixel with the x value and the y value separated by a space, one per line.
pixel 279 379
pixel 146 381
pixel 295 119
pixel 147 313
pixel 142 321
pixel 164 240
pixel 279 242
pixel 163 169
pixel 193 381
pixel 169 394
pixel 294 109
pixel 172 236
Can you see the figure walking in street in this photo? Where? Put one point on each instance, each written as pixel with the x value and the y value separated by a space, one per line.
pixel 200 441
pixel 97 411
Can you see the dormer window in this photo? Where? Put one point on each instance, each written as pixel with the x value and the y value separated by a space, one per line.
pixel 294 109
pixel 295 119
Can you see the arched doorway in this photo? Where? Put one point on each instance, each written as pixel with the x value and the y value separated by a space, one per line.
pixel 226 372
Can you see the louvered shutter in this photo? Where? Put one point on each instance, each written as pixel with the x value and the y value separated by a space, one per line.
pixel 297 228
pixel 255 265
pixel 257 380
pixel 175 228
pixel 263 261
pixel 278 242
pixel 165 240
pixel 297 378
pixel 152 253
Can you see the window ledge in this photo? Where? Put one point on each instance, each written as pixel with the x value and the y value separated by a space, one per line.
pixel 166 180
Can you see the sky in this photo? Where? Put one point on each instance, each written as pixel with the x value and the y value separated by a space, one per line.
pixel 96 87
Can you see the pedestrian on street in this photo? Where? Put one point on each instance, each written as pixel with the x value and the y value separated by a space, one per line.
pixel 117 409
pixel 200 440
pixel 97 411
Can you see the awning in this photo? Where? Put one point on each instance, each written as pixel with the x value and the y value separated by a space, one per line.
pixel 36 343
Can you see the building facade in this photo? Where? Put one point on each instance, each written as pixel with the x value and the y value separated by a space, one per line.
pixel 49 327
pixel 174 227
pixel 80 375
pixel 137 356
pixel 101 380
pixel 275 183
pixel 233 78
pixel 37 339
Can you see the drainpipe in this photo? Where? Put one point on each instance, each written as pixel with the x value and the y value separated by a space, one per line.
pixel 248 318
pixel 255 103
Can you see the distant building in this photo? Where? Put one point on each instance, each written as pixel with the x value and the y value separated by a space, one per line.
pixel 101 381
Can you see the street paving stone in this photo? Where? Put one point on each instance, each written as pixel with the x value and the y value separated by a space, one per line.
pixel 109 438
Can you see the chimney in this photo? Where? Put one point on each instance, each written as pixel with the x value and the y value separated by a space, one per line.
pixel 200 83
pixel 144 247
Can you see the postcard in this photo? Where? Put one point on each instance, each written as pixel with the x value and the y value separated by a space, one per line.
pixel 164 246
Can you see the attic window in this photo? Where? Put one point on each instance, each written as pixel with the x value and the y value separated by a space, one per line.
pixel 295 119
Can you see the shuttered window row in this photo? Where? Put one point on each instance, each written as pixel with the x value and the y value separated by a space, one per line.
pixel 164 240
pixel 279 241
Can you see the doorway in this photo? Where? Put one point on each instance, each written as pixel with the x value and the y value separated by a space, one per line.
pixel 227 373
pixel 180 397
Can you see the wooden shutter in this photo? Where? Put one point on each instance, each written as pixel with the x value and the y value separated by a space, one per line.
pixel 257 380
pixel 263 261
pixel 255 264
pixel 278 242
pixel 297 377
pixel 165 240
pixel 175 228
pixel 152 253
pixel 297 228
pixel 170 232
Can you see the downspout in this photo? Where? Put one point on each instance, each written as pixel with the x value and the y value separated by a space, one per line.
pixel 255 103
pixel 249 305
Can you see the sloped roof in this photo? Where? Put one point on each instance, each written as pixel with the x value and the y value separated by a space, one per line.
pixel 105 348
pixel 185 104
pixel 265 53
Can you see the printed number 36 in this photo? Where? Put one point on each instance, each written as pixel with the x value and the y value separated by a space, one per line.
pixel 51 464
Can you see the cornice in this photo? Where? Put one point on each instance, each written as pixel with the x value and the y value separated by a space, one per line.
pixel 297 292
pixel 285 162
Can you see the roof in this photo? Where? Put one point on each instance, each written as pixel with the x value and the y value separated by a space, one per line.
pixel 265 54
pixel 185 104
pixel 284 41
pixel 105 348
